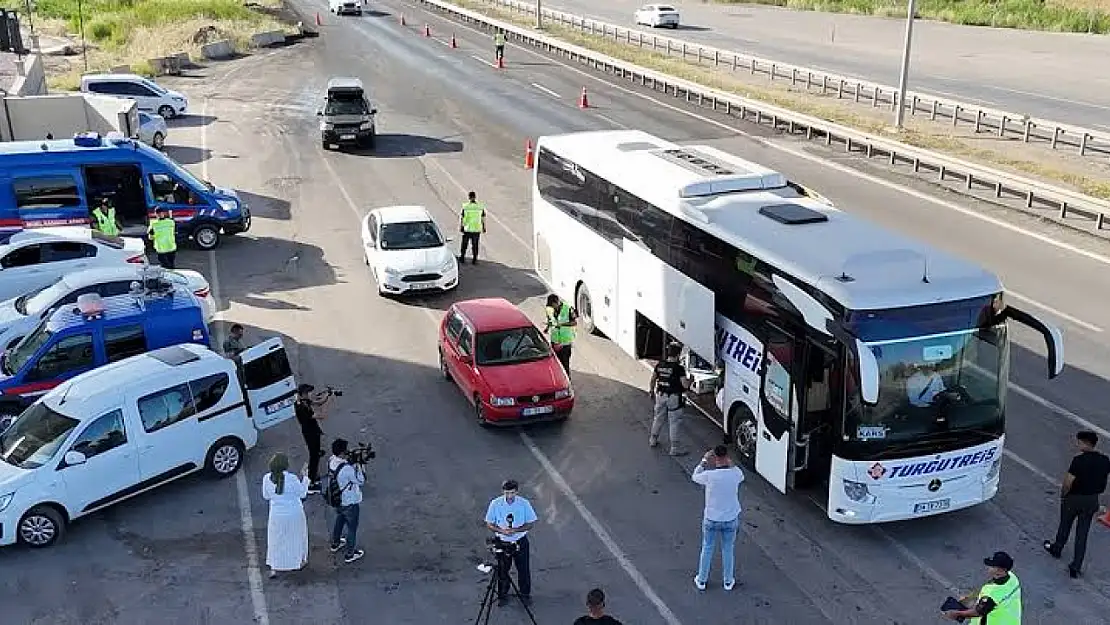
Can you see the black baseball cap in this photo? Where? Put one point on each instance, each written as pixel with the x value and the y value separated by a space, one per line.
pixel 1000 559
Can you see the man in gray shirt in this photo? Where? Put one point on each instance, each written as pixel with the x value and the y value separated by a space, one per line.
pixel 721 520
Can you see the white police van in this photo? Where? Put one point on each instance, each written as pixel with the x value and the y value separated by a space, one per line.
pixel 132 425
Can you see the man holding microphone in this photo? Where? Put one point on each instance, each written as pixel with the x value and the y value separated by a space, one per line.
pixel 510 517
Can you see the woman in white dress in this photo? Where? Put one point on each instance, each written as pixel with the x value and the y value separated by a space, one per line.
pixel 287 528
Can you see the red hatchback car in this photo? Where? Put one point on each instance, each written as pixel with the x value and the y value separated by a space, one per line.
pixel 503 364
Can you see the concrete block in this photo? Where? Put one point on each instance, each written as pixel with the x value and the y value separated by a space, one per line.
pixel 218 50
pixel 157 65
pixel 121 69
pixel 182 58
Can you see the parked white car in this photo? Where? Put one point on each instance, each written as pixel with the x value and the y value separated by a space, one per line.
pixel 131 426
pixel 32 259
pixel 20 315
pixel 153 130
pixel 407 252
pixel 657 16
pixel 148 95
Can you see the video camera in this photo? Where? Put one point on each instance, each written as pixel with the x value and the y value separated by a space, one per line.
pixel 500 547
pixel 331 391
pixel 361 453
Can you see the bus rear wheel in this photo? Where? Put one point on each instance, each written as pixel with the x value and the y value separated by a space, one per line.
pixel 584 306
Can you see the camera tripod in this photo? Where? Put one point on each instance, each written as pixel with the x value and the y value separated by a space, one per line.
pixel 491 592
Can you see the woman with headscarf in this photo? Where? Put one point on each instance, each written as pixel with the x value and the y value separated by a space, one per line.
pixel 286 528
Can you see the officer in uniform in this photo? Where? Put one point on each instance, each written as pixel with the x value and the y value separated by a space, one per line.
pixel 669 381
pixel 498 45
pixel 104 218
pixel 472 223
pixel 561 321
pixel 1000 597
pixel 163 233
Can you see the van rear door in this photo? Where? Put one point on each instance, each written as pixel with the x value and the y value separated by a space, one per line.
pixel 267 380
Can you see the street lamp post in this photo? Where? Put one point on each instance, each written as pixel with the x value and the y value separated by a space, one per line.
pixel 539 14
pixel 81 27
pixel 904 75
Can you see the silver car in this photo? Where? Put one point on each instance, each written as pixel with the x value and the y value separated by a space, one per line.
pixel 153 130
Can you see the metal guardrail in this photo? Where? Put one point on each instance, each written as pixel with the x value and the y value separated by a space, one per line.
pixel 1032 193
pixel 1002 123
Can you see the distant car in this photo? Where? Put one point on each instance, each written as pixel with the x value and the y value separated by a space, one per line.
pixel 657 16
pixel 153 130
pixel 407 252
pixel 147 94
pixel 32 259
pixel 20 315
pixel 503 364
pixel 349 7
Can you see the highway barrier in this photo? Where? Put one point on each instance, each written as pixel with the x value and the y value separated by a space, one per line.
pixel 1057 135
pixel 1068 206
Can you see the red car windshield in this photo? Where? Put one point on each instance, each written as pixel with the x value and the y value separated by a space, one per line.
pixel 506 347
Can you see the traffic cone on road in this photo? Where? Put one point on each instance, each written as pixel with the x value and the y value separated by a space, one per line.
pixel 427 30
pixel 1105 518
pixel 454 44
pixel 529 156
pixel 318 21
pixel 402 19
pixel 583 100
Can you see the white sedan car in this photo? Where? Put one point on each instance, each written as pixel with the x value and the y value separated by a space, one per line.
pixel 407 252
pixel 32 259
pixel 657 16
pixel 153 130
pixel 20 315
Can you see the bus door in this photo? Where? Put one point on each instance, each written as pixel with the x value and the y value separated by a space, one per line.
pixel 779 408
pixel 819 391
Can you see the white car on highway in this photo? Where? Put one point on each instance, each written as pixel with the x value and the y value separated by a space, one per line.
pixel 153 130
pixel 407 252
pixel 657 16
pixel 32 259
pixel 20 315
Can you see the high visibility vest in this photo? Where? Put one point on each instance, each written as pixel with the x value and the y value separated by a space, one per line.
pixel 1007 602
pixel 560 335
pixel 498 39
pixel 164 234
pixel 472 216
pixel 106 223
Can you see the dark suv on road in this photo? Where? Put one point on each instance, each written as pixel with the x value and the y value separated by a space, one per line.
pixel 347 116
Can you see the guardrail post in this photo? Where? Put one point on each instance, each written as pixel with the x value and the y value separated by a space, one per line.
pixel 699 55
pixel 1026 131
pixel 840 88
pixel 668 46
pixel 728 108
pixel 998 189
pixel 793 76
pixel 870 150
pixel 956 115
pixel 654 42
pixel 916 165
pixel 856 92
pixel 809 80
pixel 1098 221
pixel 941 172
pixel 1083 144
pixel 848 144
pixel 1055 136
pixel 874 97
pixel 758 116
pixel 683 50
pixel 773 68
pixel 894 101
pixel 933 114
pixel 978 119
pixel 824 84
pixel 1028 199
pixel 968 180
pixel 734 59
pixel 913 105
pixel 716 58
pixel 1063 210
pixel 1002 126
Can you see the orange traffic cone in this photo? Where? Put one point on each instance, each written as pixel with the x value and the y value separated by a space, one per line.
pixel 454 44
pixel 402 19
pixel 1105 518
pixel 318 22
pixel 427 30
pixel 529 155
pixel 583 101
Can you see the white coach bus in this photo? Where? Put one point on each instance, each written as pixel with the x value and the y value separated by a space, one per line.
pixel 842 355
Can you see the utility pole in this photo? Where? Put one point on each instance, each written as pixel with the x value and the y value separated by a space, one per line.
pixel 81 26
pixel 904 75
pixel 539 14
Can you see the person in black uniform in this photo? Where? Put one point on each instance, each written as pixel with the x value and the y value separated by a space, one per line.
pixel 669 382
pixel 306 407
pixel 1084 482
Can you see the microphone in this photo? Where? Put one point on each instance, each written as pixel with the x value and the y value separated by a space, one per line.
pixel 509 520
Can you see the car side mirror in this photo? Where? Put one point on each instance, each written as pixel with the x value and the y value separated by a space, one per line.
pixel 466 358
pixel 74 458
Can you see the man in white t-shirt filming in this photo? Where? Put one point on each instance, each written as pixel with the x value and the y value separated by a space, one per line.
pixel 721 521
pixel 510 517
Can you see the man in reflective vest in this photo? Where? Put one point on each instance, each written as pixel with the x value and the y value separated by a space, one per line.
pixel 472 223
pixel 163 234
pixel 498 45
pixel 104 218
pixel 561 321
pixel 1000 598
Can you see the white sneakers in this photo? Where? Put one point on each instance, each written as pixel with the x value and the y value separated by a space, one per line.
pixel 700 585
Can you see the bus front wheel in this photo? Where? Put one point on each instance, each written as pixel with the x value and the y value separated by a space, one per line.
pixel 744 432
pixel 584 306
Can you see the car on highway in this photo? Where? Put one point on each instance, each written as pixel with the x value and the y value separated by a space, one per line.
pixel 134 425
pixel 153 130
pixel 347 116
pixel 407 252
pixel 147 94
pixel 345 7
pixel 32 259
pixel 657 16
pixel 20 315
pixel 503 364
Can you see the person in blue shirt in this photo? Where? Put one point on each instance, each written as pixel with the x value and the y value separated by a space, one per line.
pixel 510 517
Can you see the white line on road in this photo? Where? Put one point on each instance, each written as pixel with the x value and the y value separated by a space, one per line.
pixel 492 215
pixel 483 61
pixel 612 121
pixel 1059 313
pixel 546 90
pixel 1060 410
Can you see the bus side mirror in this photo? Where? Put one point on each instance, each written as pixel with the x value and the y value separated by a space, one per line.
pixel 868 373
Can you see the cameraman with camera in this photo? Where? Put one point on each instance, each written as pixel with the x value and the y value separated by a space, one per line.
pixel 345 479
pixel 510 517
pixel 309 411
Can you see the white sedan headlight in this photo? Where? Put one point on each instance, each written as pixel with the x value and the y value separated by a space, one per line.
pixel 448 265
pixel 5 501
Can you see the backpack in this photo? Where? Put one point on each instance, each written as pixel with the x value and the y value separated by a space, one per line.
pixel 333 494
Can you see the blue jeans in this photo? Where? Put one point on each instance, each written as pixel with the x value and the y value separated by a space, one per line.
pixel 711 532
pixel 346 516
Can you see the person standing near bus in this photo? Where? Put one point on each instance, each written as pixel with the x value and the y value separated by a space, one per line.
pixel 667 389
pixel 561 321
pixel 104 218
pixel 472 223
pixel 163 233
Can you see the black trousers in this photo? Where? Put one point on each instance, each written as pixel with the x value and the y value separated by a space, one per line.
pixel 499 52
pixel 168 260
pixel 563 354
pixel 314 442
pixel 470 239
pixel 522 559
pixel 1080 510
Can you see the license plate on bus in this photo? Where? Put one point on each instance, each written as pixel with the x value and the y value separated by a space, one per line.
pixel 931 506
pixel 347 137
pixel 281 405
pixel 531 412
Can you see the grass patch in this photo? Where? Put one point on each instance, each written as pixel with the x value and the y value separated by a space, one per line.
pixel 800 102
pixel 1072 16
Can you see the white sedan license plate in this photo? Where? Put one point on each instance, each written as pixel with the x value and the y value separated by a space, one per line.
pixel 931 506
pixel 421 286
pixel 531 412
pixel 281 405
pixel 347 137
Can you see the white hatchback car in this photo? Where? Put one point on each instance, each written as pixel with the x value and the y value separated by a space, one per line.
pixel 153 130
pixel 20 315
pixel 407 252
pixel 32 259
pixel 657 16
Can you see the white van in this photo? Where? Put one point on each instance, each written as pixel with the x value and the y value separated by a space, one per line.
pixel 148 95
pixel 133 425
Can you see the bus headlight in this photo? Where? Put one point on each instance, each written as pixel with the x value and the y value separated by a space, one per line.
pixel 858 491
pixel 996 468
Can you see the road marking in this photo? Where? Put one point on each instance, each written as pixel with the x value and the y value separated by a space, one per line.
pixel 936 576
pixel 1059 313
pixel 546 90
pixel 1028 466
pixel 492 215
pixel 612 121
pixel 1060 410
pixel 483 61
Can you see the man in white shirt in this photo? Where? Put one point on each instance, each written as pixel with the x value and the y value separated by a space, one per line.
pixel 350 478
pixel 510 517
pixel 923 386
pixel 721 521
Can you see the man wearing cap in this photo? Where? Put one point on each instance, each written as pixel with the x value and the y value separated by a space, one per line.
pixel 999 599
pixel 510 517
pixel 163 234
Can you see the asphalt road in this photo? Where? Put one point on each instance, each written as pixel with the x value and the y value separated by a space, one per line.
pixel 1028 73
pixel 613 512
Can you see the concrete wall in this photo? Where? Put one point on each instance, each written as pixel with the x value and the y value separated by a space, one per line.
pixel 32 79
pixel 64 115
